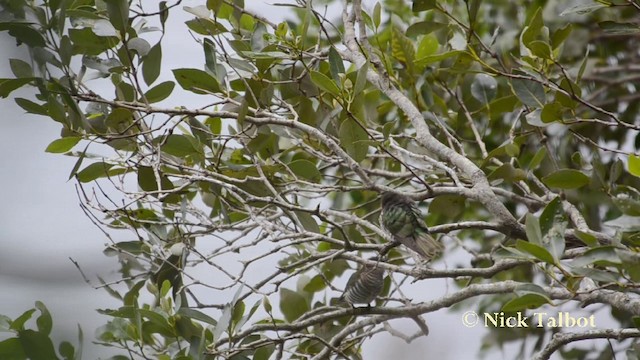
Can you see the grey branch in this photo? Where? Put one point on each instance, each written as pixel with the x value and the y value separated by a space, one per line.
pixel 561 339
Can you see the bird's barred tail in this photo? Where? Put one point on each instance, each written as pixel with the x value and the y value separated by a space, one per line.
pixel 427 246
pixel 364 286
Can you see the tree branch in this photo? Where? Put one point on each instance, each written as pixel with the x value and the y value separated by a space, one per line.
pixel 561 339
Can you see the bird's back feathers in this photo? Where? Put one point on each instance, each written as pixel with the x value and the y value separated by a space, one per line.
pixel 403 220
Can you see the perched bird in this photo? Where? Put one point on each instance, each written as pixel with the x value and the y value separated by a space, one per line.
pixel 364 285
pixel 402 219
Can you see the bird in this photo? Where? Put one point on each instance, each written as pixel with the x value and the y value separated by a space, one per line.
pixel 364 285
pixel 402 219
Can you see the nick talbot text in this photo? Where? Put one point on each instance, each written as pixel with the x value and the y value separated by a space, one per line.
pixel 538 319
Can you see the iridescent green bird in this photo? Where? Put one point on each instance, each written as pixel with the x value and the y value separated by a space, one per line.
pixel 402 219
pixel 364 285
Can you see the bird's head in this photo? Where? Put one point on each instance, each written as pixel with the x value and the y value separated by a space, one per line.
pixel 390 198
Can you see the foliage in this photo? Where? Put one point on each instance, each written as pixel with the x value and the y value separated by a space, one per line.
pixel 35 343
pixel 518 121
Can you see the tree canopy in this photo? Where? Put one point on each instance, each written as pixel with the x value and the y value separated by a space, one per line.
pixel 250 185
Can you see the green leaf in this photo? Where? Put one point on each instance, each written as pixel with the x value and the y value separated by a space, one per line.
pixel 512 149
pixel 177 145
pixel 316 284
pixel 214 124
pixel 576 159
pixel 560 35
pixel 119 119
pixel 554 239
pixel 605 255
pixel 37 345
pixel 437 58
pixel 572 89
pixel 402 48
pixel 361 79
pixel 307 221
pixel 484 88
pixel 582 9
pixel 197 315
pixel 540 49
pixel 44 321
pixel 24 33
pixel 428 46
pixel 531 93
pixel 596 274
pixel 199 130
pixel 67 350
pixel 258 42
pixel 104 66
pixel 324 83
pixel 20 68
pixel 504 104
pixel 551 112
pixel 353 137
pixel 264 352
pixel 18 323
pixel 197 81
pixel 529 288
pixel 62 145
pixel 377 17
pixel 536 250
pixel 423 5
pixel 527 301
pixel 305 169
pixel 32 107
pixel 238 311
pixel 537 158
pixel 86 42
pixel 12 349
pixel 200 11
pixel 336 66
pixel 634 165
pixel 292 304
pixel 423 28
pixel 616 171
pixel 265 144
pixel 223 322
pixel 78 163
pixel 627 203
pixel 533 28
pixel 118 14
pixel 566 179
pixel 506 172
pixel 248 316
pixel 9 85
pixel 450 206
pixel 588 239
pixel 532 228
pixel 267 305
pixel 551 214
pixel 210 61
pixel 140 46
pixel 132 247
pixel 266 55
pixel 617 28
pixel 159 92
pixel 94 171
pixel 151 64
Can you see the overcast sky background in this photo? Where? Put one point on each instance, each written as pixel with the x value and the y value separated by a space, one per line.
pixel 42 226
